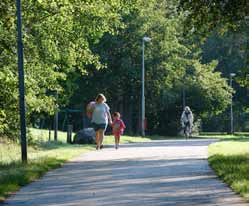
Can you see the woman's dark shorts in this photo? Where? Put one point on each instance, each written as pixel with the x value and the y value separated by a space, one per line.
pixel 97 127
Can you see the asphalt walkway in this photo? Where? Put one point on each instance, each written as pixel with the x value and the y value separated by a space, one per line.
pixel 158 173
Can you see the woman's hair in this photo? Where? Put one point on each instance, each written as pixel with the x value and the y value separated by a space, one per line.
pixel 116 114
pixel 100 96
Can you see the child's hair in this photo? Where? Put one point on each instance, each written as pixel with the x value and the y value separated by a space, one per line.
pixel 100 96
pixel 116 114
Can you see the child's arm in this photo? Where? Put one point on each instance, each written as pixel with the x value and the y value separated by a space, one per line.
pixel 123 124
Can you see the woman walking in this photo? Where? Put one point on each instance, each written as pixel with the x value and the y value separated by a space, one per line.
pixel 100 118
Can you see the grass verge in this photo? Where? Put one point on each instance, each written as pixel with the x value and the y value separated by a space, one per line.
pixel 14 174
pixel 223 135
pixel 42 157
pixel 230 160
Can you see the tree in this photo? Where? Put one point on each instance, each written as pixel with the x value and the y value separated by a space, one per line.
pixel 170 58
pixel 57 36
pixel 205 17
pixel 214 13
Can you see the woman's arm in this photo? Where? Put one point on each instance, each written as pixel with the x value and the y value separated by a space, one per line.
pixel 109 117
pixel 107 110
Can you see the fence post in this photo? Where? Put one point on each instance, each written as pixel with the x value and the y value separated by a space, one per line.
pixel 69 133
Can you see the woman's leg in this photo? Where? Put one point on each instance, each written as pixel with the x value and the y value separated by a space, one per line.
pixel 101 136
pixel 97 139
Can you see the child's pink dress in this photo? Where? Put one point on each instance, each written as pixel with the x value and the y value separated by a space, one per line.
pixel 118 127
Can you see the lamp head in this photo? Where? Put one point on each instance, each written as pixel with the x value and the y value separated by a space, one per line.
pixel 146 39
pixel 232 74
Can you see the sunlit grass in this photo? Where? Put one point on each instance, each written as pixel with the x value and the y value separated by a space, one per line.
pixel 222 135
pixel 14 174
pixel 9 152
pixel 42 135
pixel 230 161
pixel 42 157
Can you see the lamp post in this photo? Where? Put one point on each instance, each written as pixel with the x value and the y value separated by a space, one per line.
pixel 183 94
pixel 21 82
pixel 56 117
pixel 231 106
pixel 145 39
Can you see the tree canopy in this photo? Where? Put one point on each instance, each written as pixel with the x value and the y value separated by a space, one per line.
pixel 81 48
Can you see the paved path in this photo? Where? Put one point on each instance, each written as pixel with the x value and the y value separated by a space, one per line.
pixel 160 173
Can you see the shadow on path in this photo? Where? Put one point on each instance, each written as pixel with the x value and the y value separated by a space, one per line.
pixel 140 181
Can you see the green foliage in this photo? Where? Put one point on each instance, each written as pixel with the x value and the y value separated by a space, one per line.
pixel 206 15
pixel 231 51
pixel 227 18
pixel 57 36
pixel 81 48
pixel 172 59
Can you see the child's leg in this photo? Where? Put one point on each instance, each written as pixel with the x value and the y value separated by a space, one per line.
pixel 118 137
pixel 116 140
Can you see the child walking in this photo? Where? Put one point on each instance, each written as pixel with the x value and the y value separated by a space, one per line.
pixel 118 127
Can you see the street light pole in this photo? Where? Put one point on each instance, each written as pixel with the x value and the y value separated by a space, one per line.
pixel 143 97
pixel 56 117
pixel 21 82
pixel 231 106
pixel 145 39
pixel 183 94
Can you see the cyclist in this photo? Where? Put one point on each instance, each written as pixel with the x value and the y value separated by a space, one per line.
pixel 187 120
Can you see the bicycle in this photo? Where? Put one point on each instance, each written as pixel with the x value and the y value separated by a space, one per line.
pixel 187 130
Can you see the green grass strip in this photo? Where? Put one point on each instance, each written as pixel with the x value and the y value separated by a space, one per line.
pixel 230 161
pixel 14 174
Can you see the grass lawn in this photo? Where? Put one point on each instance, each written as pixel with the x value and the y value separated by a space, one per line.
pixel 223 135
pixel 42 135
pixel 41 158
pixel 230 160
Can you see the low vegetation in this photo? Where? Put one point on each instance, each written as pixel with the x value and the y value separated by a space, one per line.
pixel 230 160
pixel 41 158
pixel 223 135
